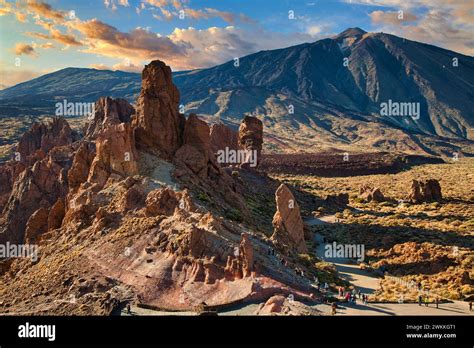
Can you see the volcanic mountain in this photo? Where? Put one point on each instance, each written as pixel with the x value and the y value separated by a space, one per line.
pixel 315 96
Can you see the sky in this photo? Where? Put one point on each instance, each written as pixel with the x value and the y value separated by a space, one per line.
pixel 38 37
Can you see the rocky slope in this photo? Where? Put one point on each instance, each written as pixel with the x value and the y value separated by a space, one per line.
pixel 140 210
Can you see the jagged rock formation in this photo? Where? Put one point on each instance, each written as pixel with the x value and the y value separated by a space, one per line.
pixel 251 136
pixel 108 111
pixel 287 222
pixel 41 138
pixel 242 263
pixel 425 191
pixel 196 150
pixel 115 154
pixel 38 186
pixel 223 137
pixel 370 194
pixel 108 230
pixel 158 124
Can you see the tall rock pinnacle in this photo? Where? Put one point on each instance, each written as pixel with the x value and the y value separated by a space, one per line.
pixel 158 124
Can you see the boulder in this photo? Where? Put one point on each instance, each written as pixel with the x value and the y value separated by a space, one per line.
pixel 425 191
pixel 370 194
pixel 287 222
pixel 340 200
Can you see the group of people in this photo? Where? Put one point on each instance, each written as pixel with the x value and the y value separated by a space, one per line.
pixel 351 296
pixel 318 285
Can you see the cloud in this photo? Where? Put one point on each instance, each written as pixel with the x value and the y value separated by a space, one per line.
pixel 23 48
pixel 42 9
pixel 212 46
pixel 445 23
pixel 123 66
pixel 139 44
pixel 395 17
pixel 171 9
pixel 37 35
pixel 46 46
pixel 65 39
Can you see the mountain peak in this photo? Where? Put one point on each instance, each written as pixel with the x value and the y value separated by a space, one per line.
pixel 351 32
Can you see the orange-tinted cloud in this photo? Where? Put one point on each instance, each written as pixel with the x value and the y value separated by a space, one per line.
pixel 392 17
pixel 42 9
pixel 23 48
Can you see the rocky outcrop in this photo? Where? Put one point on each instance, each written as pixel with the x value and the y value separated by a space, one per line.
pixel 42 137
pixel 37 225
pixel 223 137
pixel 6 183
pixel 158 124
pixel 38 186
pixel 56 214
pixel 340 200
pixel 108 111
pixel 196 150
pixel 241 264
pixel 115 154
pixel 369 194
pixel 288 225
pixel 251 136
pixel 425 191
pixel 81 164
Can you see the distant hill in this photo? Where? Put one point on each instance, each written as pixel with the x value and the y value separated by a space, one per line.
pixel 39 95
pixel 314 96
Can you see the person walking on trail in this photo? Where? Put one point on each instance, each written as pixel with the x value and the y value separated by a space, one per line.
pixel 359 294
pixel 437 301
pixel 333 308
pixel 470 306
pixel 426 301
pixel 419 300
pixel 129 312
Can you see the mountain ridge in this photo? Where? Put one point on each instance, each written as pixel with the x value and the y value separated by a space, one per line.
pixel 335 87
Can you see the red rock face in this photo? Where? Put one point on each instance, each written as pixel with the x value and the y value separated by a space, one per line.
pixel 108 111
pixel 37 225
pixel 38 186
pixel 287 222
pixel 251 135
pixel 43 137
pixel 241 264
pixel 196 150
pixel 158 124
pixel 81 164
pixel 222 137
pixel 115 154
pixel 56 214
